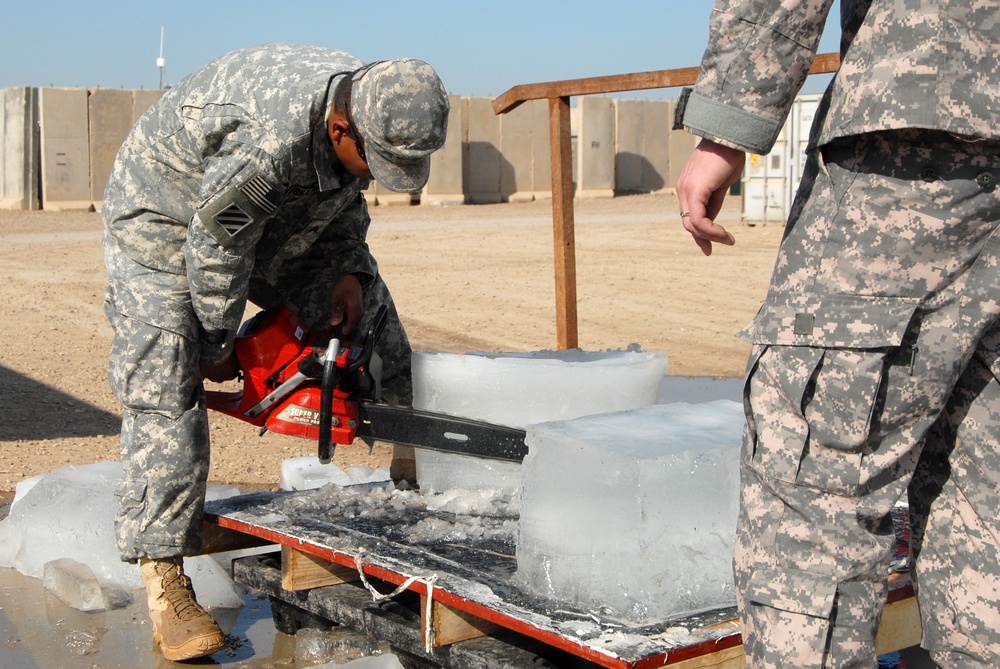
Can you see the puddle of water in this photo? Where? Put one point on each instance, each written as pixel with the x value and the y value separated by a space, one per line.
pixel 38 631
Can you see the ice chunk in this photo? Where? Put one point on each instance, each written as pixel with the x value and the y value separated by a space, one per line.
pixel 519 389
pixel 438 472
pixel 631 515
pixel 70 513
pixel 341 645
pixel 307 473
pixel 23 486
pixel 212 584
pixel 360 474
pixel 74 583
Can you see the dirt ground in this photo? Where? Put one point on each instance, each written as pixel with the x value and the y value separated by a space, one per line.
pixel 465 278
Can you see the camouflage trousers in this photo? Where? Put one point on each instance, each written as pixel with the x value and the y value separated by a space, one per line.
pixel 873 376
pixel 154 372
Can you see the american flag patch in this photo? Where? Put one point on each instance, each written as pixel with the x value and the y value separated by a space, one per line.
pixel 233 219
pixel 260 192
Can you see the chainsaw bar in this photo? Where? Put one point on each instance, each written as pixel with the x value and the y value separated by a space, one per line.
pixel 439 432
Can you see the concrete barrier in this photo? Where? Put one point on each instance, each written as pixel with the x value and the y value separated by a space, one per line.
pixel 659 117
pixel 65 146
pixel 110 119
pixel 682 144
pixel 595 148
pixel 524 145
pixel 59 145
pixel 444 186
pixel 19 153
pixel 642 146
pixel 483 162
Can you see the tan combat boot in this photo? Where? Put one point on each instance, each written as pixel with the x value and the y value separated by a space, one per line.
pixel 181 628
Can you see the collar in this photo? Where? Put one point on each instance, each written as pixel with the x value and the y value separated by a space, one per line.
pixel 329 172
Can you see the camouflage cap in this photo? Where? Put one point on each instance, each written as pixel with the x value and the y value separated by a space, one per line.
pixel 400 108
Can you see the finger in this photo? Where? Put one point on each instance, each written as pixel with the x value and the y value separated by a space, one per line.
pixel 701 224
pixel 336 314
pixel 704 244
pixel 705 232
pixel 352 314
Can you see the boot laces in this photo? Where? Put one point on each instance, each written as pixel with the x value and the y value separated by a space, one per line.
pixel 177 591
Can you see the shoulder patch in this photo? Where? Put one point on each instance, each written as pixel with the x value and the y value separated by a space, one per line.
pixel 240 208
pixel 260 192
pixel 233 219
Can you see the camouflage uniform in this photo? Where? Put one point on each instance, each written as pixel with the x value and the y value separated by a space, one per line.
pixel 229 189
pixel 875 354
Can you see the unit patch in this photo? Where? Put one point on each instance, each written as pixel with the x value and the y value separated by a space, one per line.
pixel 233 219
pixel 237 209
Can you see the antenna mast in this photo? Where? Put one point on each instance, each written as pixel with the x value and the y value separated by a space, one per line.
pixel 160 62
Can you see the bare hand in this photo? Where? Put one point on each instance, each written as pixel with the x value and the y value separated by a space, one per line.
pixel 702 188
pixel 346 302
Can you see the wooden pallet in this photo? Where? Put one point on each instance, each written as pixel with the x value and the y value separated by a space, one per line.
pixel 467 591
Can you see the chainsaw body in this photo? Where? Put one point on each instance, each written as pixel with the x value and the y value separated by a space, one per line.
pixel 282 364
pixel 318 386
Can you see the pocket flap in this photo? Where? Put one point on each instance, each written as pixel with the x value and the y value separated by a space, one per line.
pixel 831 321
pixel 133 490
pixel 793 591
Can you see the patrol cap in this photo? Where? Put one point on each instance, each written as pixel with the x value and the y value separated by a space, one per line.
pixel 400 108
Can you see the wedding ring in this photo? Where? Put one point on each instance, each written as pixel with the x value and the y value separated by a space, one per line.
pixel 685 213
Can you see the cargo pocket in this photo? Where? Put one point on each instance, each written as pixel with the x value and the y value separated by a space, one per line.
pixel 801 604
pixel 793 591
pixel 814 380
pixel 131 494
pixel 151 370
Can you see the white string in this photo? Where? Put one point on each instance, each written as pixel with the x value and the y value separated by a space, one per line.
pixel 410 580
pixel 429 626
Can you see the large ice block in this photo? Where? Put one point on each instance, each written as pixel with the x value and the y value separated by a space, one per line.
pixel 519 389
pixel 69 513
pixel 631 515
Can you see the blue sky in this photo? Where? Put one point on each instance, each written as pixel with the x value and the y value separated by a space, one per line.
pixel 479 47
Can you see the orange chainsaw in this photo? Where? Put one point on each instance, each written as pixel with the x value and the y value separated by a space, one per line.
pixel 317 385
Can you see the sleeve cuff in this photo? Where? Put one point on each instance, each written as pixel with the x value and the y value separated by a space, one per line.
pixel 216 346
pixel 708 118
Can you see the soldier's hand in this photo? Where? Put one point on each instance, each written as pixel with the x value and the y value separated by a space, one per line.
pixel 701 189
pixel 346 303
pixel 224 371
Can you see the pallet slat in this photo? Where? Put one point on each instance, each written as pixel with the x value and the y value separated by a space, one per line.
pixel 452 625
pixel 302 571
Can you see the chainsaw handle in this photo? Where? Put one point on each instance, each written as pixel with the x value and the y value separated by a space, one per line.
pixel 329 382
pixel 374 333
pixel 325 451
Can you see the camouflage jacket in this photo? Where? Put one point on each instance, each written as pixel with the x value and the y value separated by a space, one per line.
pixel 232 173
pixel 931 64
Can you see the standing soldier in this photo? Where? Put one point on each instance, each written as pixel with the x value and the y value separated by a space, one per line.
pixel 875 355
pixel 243 182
